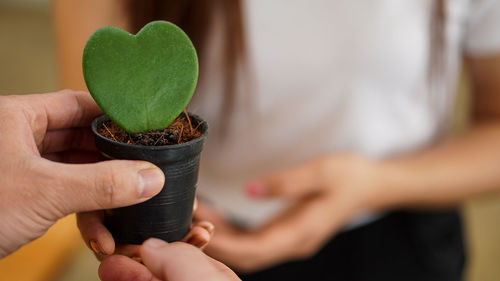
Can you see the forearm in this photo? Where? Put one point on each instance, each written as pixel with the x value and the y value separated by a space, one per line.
pixel 447 173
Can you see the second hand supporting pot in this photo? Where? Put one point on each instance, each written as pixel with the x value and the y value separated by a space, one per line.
pixel 167 215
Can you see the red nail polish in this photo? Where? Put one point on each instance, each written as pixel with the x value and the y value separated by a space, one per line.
pixel 255 189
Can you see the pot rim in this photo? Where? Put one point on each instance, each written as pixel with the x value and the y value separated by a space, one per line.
pixel 104 117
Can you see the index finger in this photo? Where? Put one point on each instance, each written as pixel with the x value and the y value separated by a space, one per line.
pixel 294 183
pixel 63 109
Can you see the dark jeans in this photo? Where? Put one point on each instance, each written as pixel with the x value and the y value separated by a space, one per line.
pixel 403 246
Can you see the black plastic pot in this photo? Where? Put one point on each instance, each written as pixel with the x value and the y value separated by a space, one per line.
pixel 167 215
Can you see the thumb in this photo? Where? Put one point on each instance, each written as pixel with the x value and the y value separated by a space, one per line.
pixel 179 261
pixel 294 183
pixel 103 185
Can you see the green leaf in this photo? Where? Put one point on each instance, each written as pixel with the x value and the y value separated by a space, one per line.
pixel 144 81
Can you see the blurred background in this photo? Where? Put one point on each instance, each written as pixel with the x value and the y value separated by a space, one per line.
pixel 28 64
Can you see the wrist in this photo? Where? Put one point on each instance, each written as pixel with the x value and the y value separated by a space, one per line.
pixel 386 186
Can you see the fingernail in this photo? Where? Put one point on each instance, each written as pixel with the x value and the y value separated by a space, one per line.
pixel 95 247
pixel 137 259
pixel 255 189
pixel 197 241
pixel 150 181
pixel 154 243
pixel 201 244
pixel 208 227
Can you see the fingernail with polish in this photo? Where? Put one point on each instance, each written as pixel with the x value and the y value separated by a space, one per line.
pixel 197 241
pixel 154 243
pixel 255 189
pixel 150 181
pixel 137 259
pixel 95 247
pixel 207 226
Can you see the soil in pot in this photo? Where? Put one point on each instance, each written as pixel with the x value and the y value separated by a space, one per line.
pixel 182 130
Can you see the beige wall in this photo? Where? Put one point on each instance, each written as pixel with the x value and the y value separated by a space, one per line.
pixel 483 230
pixel 27 63
pixel 29 4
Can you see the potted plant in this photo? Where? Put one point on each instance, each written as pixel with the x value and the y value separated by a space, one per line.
pixel 143 83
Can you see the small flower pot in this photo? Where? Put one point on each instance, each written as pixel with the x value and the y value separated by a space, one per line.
pixel 168 214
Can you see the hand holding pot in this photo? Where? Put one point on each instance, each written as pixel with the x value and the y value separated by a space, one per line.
pixel 101 242
pixel 162 261
pixel 325 192
pixel 36 189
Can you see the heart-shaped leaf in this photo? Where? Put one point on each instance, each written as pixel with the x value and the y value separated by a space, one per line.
pixel 144 81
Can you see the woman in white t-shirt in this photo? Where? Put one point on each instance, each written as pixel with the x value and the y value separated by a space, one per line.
pixel 326 117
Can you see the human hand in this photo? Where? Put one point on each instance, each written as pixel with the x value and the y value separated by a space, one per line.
pixel 101 242
pixel 325 193
pixel 35 190
pixel 162 261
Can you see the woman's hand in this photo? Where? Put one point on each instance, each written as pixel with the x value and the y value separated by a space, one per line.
pixel 35 191
pixel 101 242
pixel 162 261
pixel 325 193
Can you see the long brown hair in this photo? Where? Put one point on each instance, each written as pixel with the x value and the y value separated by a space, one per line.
pixel 437 47
pixel 196 18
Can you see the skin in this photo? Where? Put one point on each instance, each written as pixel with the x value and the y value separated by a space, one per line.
pixel 328 191
pixel 161 261
pixel 40 135
pixel 101 242
pixel 51 172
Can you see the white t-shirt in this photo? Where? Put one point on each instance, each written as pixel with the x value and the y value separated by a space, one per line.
pixel 326 76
